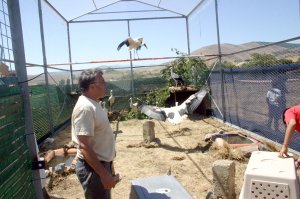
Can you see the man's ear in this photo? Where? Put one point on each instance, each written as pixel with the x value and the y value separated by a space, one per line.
pixel 91 86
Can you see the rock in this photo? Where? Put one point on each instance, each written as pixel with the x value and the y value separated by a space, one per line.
pixel 60 168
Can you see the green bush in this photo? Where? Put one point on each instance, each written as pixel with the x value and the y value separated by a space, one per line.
pixel 193 70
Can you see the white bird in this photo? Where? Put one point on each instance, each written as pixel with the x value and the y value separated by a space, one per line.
pixel 133 106
pixel 133 44
pixel 175 114
pixel 111 99
pixel 103 107
pixel 177 79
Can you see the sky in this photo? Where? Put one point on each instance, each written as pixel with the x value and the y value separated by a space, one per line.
pixel 240 21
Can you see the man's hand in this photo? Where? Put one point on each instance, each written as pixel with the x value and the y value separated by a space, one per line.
pixel 109 181
pixel 117 178
pixel 283 152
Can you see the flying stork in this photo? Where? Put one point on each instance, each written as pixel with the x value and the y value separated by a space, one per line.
pixel 133 44
pixel 175 114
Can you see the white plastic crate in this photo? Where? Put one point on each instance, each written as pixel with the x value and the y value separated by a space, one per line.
pixel 269 177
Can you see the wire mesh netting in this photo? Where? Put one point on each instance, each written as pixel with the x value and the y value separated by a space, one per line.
pixel 254 97
pixel 15 167
pixel 125 84
pixel 61 108
pixel 251 95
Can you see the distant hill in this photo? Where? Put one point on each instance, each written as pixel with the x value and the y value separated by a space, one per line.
pixel 280 51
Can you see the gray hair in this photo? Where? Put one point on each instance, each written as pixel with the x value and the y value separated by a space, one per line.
pixel 87 77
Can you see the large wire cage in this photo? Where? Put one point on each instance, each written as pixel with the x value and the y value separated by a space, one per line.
pixel 254 96
pixel 240 94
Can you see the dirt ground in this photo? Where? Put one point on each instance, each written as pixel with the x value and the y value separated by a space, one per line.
pixel 178 149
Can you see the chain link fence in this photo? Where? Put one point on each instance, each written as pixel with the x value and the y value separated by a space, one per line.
pixel 253 97
pixel 16 180
pixel 244 93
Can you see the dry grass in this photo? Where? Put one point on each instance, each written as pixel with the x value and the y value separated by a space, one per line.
pixel 179 150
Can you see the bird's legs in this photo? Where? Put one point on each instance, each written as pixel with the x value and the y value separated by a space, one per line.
pixel 137 54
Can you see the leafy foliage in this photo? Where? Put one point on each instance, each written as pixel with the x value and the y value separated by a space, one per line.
pixel 227 64
pixel 193 70
pixel 134 114
pixel 158 97
pixel 265 60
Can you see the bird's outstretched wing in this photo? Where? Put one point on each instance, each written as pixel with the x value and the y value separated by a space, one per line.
pixel 153 112
pixel 123 43
pixel 195 100
pixel 145 46
pixel 175 114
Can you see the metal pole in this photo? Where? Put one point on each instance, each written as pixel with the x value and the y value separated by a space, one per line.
pixel 20 67
pixel 45 66
pixel 70 56
pixel 188 35
pixel 131 66
pixel 122 19
pixel 220 61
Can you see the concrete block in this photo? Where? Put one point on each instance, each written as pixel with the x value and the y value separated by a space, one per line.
pixel 224 179
pixel 60 168
pixel 148 131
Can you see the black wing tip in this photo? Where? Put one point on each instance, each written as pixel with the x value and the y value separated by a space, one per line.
pixel 122 44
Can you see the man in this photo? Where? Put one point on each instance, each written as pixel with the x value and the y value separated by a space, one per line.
pixel 274 101
pixel 291 118
pixel 93 133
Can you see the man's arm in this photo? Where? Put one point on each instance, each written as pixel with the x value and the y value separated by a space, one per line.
pixel 288 135
pixel 90 157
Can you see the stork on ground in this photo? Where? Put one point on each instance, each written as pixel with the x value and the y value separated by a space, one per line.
pixel 177 78
pixel 104 107
pixel 111 100
pixel 133 44
pixel 175 114
pixel 133 106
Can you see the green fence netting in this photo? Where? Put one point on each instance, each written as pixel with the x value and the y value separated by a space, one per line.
pixel 15 165
pixel 61 108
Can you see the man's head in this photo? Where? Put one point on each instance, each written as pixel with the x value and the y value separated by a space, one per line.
pixel 92 83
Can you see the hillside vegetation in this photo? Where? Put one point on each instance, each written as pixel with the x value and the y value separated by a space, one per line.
pixel 280 51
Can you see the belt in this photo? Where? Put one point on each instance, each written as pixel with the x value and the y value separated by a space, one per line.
pixel 103 162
